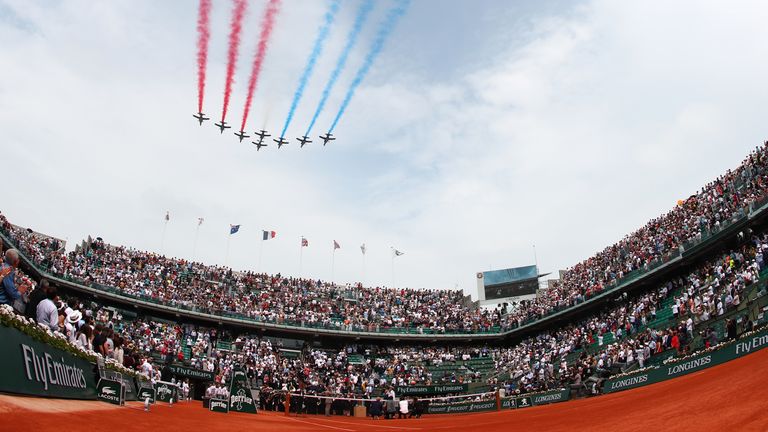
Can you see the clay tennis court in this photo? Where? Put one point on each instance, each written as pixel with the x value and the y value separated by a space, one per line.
pixel 731 396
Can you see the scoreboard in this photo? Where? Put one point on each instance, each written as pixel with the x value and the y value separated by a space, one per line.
pixel 507 283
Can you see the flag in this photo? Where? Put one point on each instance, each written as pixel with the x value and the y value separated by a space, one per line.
pixel 266 235
pixel 200 221
pixel 397 252
pixel 233 229
pixel 362 248
pixel 167 216
pixel 336 245
pixel 304 242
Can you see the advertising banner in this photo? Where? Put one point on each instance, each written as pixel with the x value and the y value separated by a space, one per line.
pixel 432 390
pixel 742 347
pixel 218 405
pixel 146 393
pixel 111 391
pixel 35 368
pixel 240 396
pixel 186 372
pixel 464 407
pixel 164 391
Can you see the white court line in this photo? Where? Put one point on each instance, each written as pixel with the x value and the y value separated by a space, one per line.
pixel 375 424
pixel 320 424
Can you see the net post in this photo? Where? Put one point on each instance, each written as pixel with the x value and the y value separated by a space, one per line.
pixel 498 400
pixel 288 403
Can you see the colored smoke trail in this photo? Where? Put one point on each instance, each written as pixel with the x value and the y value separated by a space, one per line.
pixel 362 15
pixel 266 30
pixel 204 33
pixel 385 30
pixel 234 43
pixel 322 35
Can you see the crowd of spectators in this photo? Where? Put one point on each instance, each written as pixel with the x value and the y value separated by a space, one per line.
pixel 571 355
pixel 286 300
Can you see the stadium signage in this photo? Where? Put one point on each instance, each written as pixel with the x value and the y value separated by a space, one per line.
pixel 35 368
pixel 523 402
pixel 146 393
pixel 164 391
pixel 428 390
pixel 551 397
pixel 218 405
pixel 110 391
pixel 461 407
pixel 240 396
pixel 190 373
pixel 727 353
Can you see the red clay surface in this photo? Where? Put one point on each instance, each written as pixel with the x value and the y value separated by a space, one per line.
pixel 732 396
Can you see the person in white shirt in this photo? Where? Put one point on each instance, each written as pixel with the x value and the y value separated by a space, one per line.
pixel 403 413
pixel 47 312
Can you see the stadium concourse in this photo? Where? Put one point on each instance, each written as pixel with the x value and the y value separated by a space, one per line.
pixel 730 396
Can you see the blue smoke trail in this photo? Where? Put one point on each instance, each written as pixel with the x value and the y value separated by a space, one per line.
pixel 362 14
pixel 386 28
pixel 322 35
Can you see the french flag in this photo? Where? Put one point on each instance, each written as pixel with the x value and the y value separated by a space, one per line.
pixel 266 235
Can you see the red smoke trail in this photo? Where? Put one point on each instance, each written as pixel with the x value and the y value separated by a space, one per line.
pixel 203 30
pixel 234 43
pixel 266 29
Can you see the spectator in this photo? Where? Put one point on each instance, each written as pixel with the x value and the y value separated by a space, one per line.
pixel 35 297
pixel 9 293
pixel 47 312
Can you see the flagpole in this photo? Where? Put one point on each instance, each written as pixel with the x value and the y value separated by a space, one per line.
pixel 301 255
pixel 333 265
pixel 226 257
pixel 261 250
pixel 393 267
pixel 362 281
pixel 194 245
pixel 162 237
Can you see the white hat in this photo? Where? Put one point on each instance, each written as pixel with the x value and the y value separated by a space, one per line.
pixel 74 317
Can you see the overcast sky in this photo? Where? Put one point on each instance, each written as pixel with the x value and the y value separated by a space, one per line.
pixel 484 127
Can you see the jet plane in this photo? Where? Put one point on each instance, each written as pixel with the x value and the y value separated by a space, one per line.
pixel 262 134
pixel 222 126
pixel 328 137
pixel 200 117
pixel 241 135
pixel 304 140
pixel 280 142
pixel 259 144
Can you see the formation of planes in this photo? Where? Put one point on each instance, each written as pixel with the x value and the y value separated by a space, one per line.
pixel 304 140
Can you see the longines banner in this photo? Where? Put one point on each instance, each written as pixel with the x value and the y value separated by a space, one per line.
pixel 742 347
pixel 186 372
pixel 552 396
pixel 431 390
pixel 34 368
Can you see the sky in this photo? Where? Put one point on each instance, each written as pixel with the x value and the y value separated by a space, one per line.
pixel 484 128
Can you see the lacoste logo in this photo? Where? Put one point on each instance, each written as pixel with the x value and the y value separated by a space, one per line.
pixel 108 391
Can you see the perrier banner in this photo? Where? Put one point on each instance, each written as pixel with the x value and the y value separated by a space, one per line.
pixel 165 391
pixel 240 396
